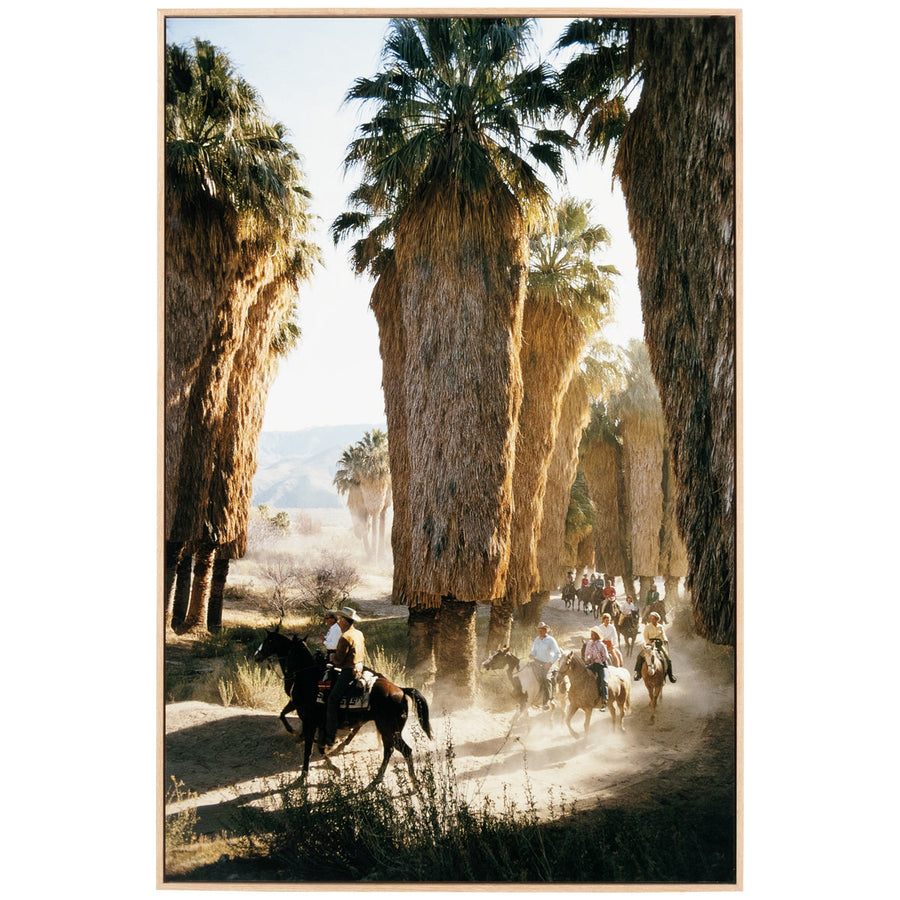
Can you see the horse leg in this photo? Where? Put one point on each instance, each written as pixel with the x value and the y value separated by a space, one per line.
pixel 288 708
pixel 587 719
pixel 351 734
pixel 571 712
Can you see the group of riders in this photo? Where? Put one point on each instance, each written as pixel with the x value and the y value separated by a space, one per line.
pixel 344 646
pixel 601 649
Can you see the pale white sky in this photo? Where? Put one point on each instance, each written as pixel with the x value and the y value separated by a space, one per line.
pixel 303 68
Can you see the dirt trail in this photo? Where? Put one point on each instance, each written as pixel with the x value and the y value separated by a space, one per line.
pixel 232 756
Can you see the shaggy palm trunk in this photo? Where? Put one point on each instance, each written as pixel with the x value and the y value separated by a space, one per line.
pixel 642 444
pixel 500 625
pixel 457 650
pixel 201 267
pixel 672 594
pixel 217 593
pixel 422 633
pixel 584 557
pixel 374 494
pixel 254 370
pixel 533 611
pixel 198 608
pixel 461 265
pixel 646 582
pixel 461 262
pixel 386 306
pixel 182 594
pixel 551 344
pixel 628 585
pixel 676 164
pixel 356 503
pixel 551 549
pixel 600 465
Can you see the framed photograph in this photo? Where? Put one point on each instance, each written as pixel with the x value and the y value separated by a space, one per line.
pixel 450 551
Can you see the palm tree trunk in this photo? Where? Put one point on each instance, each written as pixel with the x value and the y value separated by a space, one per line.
pixel 182 589
pixel 217 593
pixel 676 165
pixel 672 594
pixel 173 552
pixel 628 585
pixel 455 680
pixel 501 624
pixel 198 609
pixel 422 631
pixel 646 584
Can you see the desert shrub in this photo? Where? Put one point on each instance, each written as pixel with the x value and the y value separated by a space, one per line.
pixel 305 524
pixel 180 827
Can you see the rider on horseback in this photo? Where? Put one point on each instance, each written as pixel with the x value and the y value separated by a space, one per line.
pixel 596 657
pixel 348 657
pixel 544 652
pixel 655 636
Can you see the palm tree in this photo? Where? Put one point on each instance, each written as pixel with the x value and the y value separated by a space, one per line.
pixel 675 159
pixel 363 473
pixel 569 300
pixel 443 158
pixel 235 224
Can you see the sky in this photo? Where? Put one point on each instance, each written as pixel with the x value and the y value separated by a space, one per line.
pixel 303 67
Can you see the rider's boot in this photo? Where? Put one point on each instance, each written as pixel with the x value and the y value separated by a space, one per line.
pixel 672 678
pixel 637 669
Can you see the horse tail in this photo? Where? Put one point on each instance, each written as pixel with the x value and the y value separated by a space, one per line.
pixel 421 709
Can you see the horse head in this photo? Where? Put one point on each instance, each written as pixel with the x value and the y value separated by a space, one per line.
pixel 497 660
pixel 271 645
pixel 653 658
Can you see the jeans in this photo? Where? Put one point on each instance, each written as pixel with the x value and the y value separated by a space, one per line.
pixel 337 693
pixel 600 671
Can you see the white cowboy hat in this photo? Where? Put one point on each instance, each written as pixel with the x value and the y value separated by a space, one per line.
pixel 654 613
pixel 350 615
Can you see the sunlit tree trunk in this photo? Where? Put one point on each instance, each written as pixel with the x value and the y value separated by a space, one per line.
pixel 500 625
pixel 198 608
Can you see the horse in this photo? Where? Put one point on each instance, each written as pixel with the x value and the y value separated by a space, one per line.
pixel 584 694
pixel 569 594
pixel 653 672
pixel 628 629
pixel 658 607
pixel 387 703
pixel 528 689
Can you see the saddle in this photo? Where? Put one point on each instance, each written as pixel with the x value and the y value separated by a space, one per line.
pixel 357 696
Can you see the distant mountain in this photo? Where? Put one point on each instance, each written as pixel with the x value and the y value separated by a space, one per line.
pixel 296 468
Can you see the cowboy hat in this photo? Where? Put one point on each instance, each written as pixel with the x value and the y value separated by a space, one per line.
pixel 350 615
pixel 654 613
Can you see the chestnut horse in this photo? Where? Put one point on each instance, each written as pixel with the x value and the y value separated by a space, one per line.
pixel 387 702
pixel 583 692
pixel 653 672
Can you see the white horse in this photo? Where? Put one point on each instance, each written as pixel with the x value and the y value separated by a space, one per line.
pixel 529 684
pixel 653 672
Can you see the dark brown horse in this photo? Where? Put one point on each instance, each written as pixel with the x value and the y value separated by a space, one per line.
pixel 659 607
pixel 628 631
pixel 387 702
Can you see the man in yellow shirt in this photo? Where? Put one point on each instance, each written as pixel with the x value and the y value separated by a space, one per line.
pixel 348 657
pixel 655 634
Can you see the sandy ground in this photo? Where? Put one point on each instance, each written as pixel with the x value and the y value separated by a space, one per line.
pixel 231 756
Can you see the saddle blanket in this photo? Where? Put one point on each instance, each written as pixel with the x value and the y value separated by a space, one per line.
pixel 358 695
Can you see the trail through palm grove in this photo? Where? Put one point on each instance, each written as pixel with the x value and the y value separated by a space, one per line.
pixel 232 756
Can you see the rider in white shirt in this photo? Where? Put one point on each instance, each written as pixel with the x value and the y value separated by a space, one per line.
pixel 544 652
